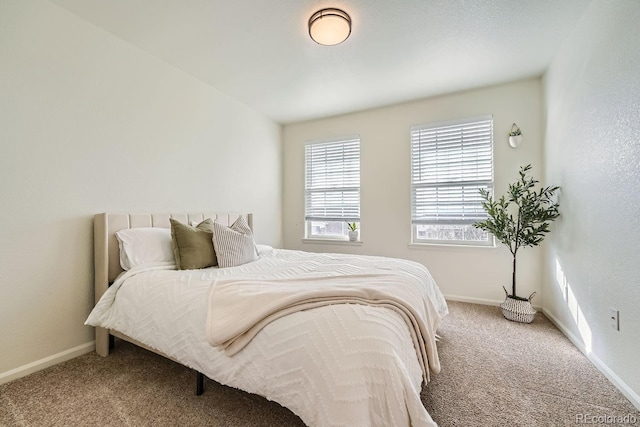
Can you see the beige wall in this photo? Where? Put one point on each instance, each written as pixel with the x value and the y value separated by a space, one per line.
pixel 89 124
pixel 464 273
pixel 592 150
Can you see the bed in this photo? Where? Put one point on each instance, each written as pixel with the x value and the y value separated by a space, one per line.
pixel 336 362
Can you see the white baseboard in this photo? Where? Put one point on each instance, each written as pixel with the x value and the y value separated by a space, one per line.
pixel 480 301
pixel 597 362
pixel 41 364
pixel 471 300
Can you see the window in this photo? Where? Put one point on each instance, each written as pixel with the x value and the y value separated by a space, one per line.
pixel 332 187
pixel 450 163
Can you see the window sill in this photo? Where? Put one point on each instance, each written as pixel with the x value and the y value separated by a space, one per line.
pixel 332 242
pixel 450 246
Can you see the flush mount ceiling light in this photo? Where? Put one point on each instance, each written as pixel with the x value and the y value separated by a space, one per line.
pixel 329 26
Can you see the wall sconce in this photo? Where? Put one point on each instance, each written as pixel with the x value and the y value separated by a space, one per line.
pixel 515 136
pixel 329 26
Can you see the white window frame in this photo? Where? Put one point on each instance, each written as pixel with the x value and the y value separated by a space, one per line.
pixel 345 186
pixel 450 161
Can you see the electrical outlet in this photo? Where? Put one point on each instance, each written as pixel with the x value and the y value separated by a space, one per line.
pixel 614 318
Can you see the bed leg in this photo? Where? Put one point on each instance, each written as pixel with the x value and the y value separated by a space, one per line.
pixel 199 383
pixel 102 341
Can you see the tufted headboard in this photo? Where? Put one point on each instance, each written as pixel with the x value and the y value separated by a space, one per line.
pixel 106 250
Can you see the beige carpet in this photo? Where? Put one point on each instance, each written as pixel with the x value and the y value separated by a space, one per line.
pixel 494 373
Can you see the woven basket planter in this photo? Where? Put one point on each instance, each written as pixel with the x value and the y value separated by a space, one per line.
pixel 518 310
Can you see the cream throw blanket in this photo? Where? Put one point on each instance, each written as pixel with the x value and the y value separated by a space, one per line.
pixel 239 309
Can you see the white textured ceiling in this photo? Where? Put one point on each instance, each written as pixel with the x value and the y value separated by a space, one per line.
pixel 259 52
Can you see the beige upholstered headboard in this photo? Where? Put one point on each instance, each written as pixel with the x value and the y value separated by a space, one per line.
pixel 106 250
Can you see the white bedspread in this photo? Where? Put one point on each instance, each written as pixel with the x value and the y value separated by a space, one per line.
pixel 336 365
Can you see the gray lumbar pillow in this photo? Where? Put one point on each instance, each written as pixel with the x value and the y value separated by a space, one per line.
pixel 193 246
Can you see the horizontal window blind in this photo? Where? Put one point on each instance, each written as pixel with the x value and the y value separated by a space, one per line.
pixel 450 163
pixel 332 188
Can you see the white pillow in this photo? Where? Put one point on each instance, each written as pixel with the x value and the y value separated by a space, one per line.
pixel 234 245
pixel 144 245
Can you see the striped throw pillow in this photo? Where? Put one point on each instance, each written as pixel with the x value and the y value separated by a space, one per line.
pixel 234 245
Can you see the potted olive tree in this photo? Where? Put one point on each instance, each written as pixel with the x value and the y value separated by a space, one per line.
pixel 519 219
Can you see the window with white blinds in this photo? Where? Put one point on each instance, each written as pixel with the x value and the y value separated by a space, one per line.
pixel 450 163
pixel 332 186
